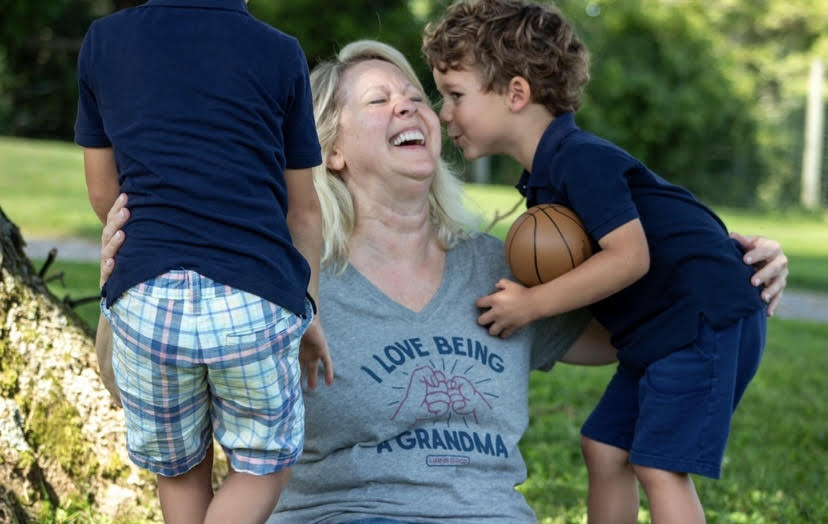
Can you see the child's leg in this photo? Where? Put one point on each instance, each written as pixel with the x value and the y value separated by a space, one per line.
pixel 613 489
pixel 185 498
pixel 163 386
pixel 606 438
pixel 686 402
pixel 245 498
pixel 252 347
pixel 672 496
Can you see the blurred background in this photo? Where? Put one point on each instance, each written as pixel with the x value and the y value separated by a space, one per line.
pixel 712 95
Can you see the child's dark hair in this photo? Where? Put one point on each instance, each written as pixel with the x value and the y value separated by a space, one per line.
pixel 507 38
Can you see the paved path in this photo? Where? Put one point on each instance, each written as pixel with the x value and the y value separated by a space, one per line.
pixel 795 304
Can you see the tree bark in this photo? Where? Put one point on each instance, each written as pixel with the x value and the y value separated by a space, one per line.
pixel 62 440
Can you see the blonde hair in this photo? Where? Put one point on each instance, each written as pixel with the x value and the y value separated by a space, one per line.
pixel 451 219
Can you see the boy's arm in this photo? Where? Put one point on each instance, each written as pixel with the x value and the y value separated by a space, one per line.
pixel 101 179
pixel 624 258
pixel 304 221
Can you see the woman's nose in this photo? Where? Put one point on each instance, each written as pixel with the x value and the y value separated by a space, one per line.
pixel 406 107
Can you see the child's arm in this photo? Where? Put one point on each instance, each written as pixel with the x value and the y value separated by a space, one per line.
pixel 624 258
pixel 101 179
pixel 304 221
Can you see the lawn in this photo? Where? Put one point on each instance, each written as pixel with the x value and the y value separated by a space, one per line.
pixel 776 463
pixel 42 189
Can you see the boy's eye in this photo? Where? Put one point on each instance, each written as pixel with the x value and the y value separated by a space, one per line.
pixel 454 95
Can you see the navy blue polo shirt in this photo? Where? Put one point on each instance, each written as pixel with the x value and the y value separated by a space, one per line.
pixel 204 107
pixel 695 268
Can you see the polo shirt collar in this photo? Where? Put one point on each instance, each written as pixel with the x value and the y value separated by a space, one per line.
pixel 550 141
pixel 231 5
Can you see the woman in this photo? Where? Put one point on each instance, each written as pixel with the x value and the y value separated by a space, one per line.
pixel 423 420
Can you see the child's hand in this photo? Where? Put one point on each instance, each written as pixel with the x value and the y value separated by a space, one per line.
pixel 507 310
pixel 314 348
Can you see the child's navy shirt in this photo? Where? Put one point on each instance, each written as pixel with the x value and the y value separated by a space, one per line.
pixel 695 268
pixel 204 107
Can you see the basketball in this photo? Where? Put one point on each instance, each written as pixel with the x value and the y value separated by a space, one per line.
pixel 545 242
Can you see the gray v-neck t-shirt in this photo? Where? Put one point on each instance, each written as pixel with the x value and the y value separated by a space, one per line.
pixel 423 421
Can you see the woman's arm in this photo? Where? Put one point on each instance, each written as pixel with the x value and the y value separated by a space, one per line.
pixel 592 348
pixel 111 240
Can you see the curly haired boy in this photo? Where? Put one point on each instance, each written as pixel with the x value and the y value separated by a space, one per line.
pixel 667 281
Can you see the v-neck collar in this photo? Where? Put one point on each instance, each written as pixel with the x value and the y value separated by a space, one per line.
pixel 377 295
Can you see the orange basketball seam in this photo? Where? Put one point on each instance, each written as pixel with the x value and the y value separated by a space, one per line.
pixel 580 225
pixel 563 238
pixel 535 248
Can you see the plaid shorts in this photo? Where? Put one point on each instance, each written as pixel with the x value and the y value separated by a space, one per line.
pixel 195 359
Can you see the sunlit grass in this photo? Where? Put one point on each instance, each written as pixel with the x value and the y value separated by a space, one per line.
pixel 776 462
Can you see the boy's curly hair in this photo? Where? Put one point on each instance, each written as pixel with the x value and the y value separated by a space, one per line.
pixel 508 38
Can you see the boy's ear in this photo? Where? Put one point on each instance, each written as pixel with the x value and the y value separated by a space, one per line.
pixel 518 93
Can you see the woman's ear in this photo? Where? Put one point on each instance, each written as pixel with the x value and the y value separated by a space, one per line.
pixel 335 160
pixel 518 93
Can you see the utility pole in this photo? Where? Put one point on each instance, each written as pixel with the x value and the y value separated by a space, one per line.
pixel 481 170
pixel 814 139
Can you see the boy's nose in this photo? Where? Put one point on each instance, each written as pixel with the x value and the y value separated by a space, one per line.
pixel 445 114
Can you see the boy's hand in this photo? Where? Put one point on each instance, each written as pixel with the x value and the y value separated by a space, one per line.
pixel 507 310
pixel 314 348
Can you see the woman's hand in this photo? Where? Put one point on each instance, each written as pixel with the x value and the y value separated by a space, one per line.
pixel 771 266
pixel 113 237
pixel 111 240
pixel 313 351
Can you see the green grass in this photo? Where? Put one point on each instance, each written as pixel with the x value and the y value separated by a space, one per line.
pixel 804 236
pixel 776 462
pixel 43 191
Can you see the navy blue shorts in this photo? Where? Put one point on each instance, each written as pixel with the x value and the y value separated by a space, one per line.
pixel 675 414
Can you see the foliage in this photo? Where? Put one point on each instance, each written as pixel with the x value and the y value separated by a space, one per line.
pixel 322 29
pixel 38 53
pixel 709 94
pixel 659 90
pixel 771 43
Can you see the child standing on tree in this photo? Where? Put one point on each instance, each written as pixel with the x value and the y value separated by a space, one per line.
pixel 203 116
pixel 668 282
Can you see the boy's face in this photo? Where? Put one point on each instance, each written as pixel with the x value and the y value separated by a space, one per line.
pixel 474 118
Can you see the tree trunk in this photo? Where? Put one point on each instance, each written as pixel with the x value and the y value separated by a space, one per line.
pixel 62 441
